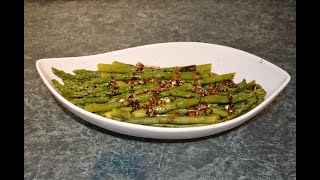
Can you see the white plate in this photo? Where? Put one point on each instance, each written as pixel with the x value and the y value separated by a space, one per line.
pixel 224 60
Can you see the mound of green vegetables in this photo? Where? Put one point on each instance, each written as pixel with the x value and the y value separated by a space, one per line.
pixel 186 96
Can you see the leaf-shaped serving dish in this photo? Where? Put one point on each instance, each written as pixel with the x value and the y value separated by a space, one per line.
pixel 223 59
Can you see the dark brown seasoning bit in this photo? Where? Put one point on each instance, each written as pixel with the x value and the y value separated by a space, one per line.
pixel 149 107
pixel 230 83
pixel 251 85
pixel 139 64
pixel 220 86
pixel 188 68
pixel 230 108
pixel 201 106
pixel 166 85
pixel 114 84
pixel 151 103
pixel 157 90
pixel 128 100
pixel 133 83
pixel 152 114
pixel 200 90
pixel 212 89
pixel 139 70
pixel 174 81
pixel 132 103
pixel 162 83
pixel 198 110
pixel 140 67
pixel 191 113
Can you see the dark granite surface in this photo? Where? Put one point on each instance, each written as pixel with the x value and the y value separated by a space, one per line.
pixel 59 145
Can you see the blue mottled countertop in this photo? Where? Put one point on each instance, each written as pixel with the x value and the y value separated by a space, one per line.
pixel 59 145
